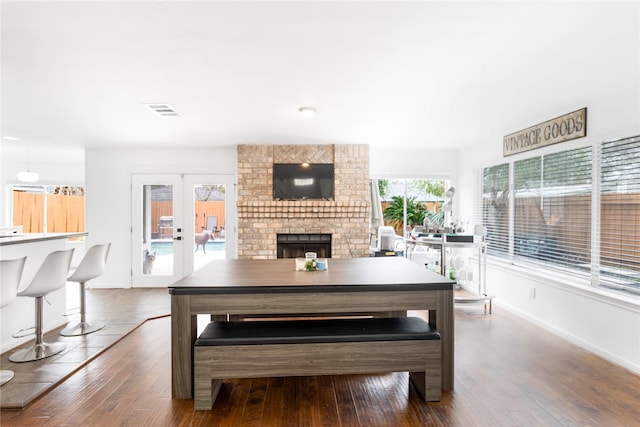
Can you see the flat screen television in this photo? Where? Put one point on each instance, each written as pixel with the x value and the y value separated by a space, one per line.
pixel 294 181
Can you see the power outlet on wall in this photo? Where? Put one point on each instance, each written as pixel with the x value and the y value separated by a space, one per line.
pixel 532 293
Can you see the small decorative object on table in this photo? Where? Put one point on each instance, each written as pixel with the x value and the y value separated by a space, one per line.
pixel 310 264
pixel 322 264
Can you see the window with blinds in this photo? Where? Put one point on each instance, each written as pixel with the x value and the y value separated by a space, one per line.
pixel 552 210
pixel 620 214
pixel 495 208
pixel 576 210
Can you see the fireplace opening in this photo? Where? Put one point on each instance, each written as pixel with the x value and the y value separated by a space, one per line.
pixel 296 245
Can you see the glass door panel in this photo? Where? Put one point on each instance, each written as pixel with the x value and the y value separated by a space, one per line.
pixel 157 233
pixel 157 224
pixel 212 207
pixel 209 222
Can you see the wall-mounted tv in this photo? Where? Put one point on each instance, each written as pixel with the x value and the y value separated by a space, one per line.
pixel 293 181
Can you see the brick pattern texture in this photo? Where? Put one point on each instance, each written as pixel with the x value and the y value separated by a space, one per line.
pixel 260 218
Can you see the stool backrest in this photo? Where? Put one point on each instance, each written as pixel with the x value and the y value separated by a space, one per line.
pixel 10 274
pixel 93 263
pixel 51 276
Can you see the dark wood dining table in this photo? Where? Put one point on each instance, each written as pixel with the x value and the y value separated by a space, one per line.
pixel 273 287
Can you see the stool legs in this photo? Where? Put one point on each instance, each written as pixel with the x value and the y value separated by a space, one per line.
pixel 40 349
pixel 83 327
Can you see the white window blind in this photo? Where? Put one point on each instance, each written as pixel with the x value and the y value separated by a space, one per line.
pixel 552 219
pixel 494 210
pixel 620 214
pixel 576 210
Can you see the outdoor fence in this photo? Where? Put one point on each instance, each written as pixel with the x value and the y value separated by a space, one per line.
pixel 619 225
pixel 202 211
pixel 65 213
pixel 568 220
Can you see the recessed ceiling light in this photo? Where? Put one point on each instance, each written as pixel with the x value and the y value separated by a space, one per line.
pixel 161 109
pixel 308 111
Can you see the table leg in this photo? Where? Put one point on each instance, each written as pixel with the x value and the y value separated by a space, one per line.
pixel 183 335
pixel 443 319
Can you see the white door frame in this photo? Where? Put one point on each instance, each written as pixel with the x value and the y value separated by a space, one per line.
pixel 183 208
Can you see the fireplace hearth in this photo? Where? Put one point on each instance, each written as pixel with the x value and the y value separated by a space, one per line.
pixel 296 245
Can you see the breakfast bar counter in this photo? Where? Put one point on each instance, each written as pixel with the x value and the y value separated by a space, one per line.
pixel 20 313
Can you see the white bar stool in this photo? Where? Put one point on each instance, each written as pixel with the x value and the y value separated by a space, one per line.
pixel 51 276
pixel 10 274
pixel 91 266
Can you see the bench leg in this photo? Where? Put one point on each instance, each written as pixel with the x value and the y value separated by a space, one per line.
pixel 428 384
pixel 205 388
pixel 206 393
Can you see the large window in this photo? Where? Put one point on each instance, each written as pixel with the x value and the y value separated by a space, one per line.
pixel 406 202
pixel 557 221
pixel 552 218
pixel 48 208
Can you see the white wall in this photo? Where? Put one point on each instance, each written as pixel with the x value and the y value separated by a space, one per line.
pixel 390 163
pixel 108 194
pixel 608 326
pixel 601 322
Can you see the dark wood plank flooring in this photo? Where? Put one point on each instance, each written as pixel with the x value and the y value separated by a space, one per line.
pixel 508 373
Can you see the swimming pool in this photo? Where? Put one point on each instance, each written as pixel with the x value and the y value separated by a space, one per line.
pixel 166 248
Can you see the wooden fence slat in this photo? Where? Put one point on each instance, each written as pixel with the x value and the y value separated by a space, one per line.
pixel 202 210
pixel 65 213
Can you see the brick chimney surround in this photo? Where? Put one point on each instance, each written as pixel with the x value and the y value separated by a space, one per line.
pixel 261 218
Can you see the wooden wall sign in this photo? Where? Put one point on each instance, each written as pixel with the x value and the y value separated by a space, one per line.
pixel 563 128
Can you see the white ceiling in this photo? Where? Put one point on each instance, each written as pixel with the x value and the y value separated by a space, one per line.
pixel 395 74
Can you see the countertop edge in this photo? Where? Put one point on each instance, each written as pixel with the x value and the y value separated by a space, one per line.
pixel 274 289
pixel 37 237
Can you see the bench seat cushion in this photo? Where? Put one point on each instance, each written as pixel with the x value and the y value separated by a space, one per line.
pixel 316 331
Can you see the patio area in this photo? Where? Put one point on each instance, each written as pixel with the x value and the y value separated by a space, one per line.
pixel 163 264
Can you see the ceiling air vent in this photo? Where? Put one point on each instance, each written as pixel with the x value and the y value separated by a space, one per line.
pixel 162 109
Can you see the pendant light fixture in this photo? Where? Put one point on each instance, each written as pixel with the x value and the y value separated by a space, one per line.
pixel 28 176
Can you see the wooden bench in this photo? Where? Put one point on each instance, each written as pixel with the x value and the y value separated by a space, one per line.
pixel 283 348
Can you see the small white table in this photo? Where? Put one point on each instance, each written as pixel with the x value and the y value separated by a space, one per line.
pixel 445 241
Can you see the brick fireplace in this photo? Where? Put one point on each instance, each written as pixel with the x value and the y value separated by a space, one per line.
pixel 261 218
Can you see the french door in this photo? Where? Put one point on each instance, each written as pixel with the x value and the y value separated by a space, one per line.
pixel 180 223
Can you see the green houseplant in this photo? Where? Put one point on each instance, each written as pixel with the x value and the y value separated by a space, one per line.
pixel 394 213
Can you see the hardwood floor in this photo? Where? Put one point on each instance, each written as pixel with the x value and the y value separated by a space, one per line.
pixel 122 310
pixel 508 373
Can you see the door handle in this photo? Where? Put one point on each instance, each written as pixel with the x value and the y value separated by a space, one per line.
pixel 177 238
